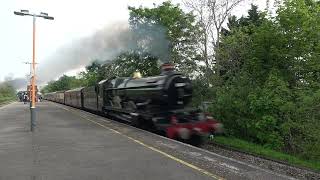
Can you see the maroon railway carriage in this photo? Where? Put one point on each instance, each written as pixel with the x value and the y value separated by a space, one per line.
pixel 74 98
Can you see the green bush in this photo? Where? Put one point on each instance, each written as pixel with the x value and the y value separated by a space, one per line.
pixel 7 92
pixel 269 71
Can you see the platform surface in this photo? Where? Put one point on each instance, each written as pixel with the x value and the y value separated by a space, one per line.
pixel 74 144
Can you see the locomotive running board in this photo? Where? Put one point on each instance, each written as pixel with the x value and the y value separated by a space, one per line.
pixel 117 110
pixel 121 117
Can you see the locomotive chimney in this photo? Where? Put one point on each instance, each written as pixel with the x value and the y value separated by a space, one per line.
pixel 167 68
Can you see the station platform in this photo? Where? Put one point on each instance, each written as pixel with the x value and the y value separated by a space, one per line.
pixel 73 144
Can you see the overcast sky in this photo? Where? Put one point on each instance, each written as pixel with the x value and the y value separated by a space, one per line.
pixel 74 19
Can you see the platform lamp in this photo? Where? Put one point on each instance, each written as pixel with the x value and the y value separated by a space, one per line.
pixel 29 76
pixel 33 80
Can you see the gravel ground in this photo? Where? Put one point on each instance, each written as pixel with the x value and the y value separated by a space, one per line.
pixel 264 163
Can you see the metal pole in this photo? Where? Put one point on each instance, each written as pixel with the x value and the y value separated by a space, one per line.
pixel 33 97
pixel 33 79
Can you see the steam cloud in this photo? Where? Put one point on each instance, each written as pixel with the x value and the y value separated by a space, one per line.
pixel 16 83
pixel 105 45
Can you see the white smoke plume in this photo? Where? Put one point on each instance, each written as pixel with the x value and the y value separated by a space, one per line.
pixel 16 83
pixel 105 45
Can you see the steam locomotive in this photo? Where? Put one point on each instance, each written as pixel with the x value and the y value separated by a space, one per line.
pixel 158 103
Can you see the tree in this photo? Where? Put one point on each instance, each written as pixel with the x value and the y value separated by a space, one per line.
pixel 93 74
pixel 7 92
pixel 269 90
pixel 179 27
pixel 128 63
pixel 300 23
pixel 63 83
pixel 212 14
pixel 123 65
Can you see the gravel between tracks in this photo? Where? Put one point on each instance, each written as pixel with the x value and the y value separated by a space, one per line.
pixel 296 172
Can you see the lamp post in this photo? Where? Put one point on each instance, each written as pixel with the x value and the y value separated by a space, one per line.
pixel 29 76
pixel 30 63
pixel 33 80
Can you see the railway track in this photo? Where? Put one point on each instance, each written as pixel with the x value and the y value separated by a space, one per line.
pixel 279 166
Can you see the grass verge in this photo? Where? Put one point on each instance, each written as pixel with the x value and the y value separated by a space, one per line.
pixel 265 152
pixel 5 100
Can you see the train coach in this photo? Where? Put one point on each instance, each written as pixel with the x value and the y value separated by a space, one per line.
pixel 50 96
pixel 158 103
pixel 74 98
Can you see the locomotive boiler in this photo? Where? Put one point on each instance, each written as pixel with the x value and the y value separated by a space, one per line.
pixel 169 90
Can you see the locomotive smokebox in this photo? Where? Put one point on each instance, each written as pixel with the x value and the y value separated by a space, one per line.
pixel 177 88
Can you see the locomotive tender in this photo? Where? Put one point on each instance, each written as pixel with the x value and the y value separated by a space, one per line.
pixel 157 102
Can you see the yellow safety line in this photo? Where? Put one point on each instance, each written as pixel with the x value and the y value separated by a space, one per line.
pixel 150 147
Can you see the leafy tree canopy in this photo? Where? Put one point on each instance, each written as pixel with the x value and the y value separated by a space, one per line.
pixel 180 29
pixel 269 78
